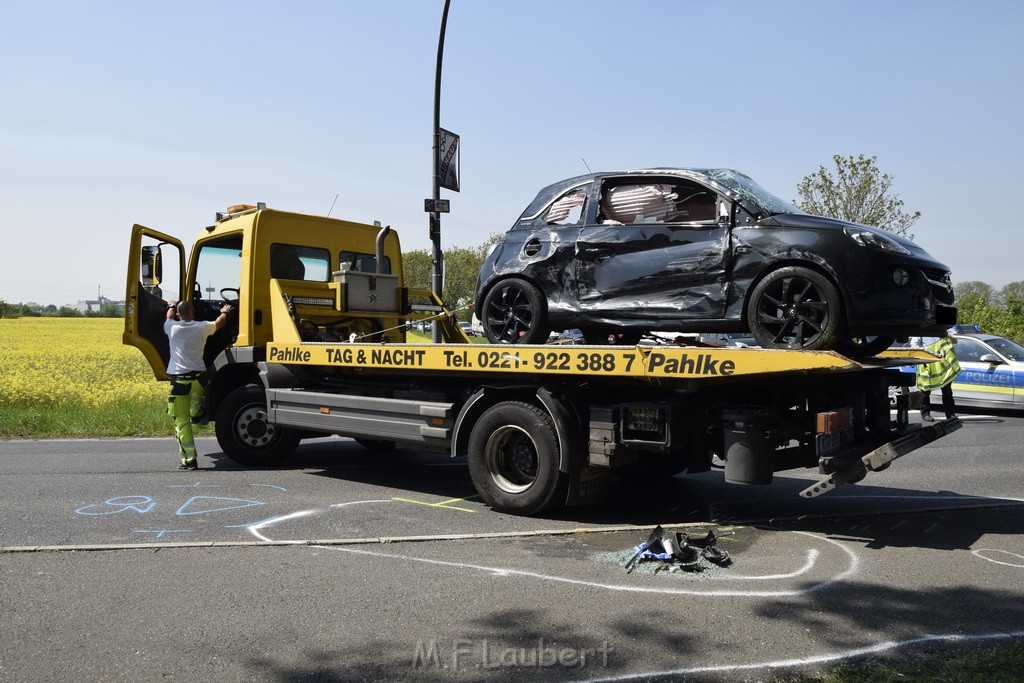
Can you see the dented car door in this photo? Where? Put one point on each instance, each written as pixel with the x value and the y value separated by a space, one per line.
pixel 653 248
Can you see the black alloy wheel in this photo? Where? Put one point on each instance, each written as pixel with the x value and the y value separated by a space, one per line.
pixel 514 312
pixel 795 308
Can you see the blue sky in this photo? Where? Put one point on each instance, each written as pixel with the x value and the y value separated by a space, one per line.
pixel 114 113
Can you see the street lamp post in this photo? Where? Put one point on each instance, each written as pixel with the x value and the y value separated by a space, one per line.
pixel 437 281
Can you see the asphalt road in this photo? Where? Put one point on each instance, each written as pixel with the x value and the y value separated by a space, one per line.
pixel 355 565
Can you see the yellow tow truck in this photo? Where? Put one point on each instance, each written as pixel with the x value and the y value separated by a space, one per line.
pixel 317 346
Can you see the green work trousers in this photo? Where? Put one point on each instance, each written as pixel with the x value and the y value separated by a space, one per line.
pixel 184 403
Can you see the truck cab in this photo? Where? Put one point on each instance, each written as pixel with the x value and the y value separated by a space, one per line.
pixel 337 280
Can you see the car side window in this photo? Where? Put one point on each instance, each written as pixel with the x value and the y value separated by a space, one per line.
pixel 566 210
pixel 969 351
pixel 677 202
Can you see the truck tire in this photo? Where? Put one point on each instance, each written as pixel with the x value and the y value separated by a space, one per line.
pixel 514 459
pixel 246 436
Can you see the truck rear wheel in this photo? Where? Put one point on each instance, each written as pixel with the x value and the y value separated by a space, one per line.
pixel 514 459
pixel 245 433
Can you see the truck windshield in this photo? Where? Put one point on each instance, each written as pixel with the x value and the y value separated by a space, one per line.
pixel 219 268
pixel 751 192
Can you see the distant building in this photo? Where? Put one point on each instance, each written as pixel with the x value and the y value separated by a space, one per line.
pixel 94 305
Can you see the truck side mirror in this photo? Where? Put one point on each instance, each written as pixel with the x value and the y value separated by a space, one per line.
pixel 152 268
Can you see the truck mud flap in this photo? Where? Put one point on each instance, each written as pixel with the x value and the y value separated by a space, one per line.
pixel 881 457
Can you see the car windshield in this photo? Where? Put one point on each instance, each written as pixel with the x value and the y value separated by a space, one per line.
pixel 751 192
pixel 1007 348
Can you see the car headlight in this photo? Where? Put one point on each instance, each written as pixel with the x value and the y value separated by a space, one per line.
pixel 867 238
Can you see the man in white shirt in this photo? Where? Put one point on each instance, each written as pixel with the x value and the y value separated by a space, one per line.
pixel 187 370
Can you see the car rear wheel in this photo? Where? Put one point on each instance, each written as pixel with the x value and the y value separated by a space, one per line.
pixel 795 308
pixel 515 312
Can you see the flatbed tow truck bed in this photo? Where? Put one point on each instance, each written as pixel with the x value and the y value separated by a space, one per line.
pixel 759 410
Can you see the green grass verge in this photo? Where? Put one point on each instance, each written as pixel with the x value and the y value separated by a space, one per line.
pixel 81 421
pixel 128 418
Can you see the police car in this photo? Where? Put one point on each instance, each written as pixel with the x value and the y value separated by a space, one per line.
pixel 991 370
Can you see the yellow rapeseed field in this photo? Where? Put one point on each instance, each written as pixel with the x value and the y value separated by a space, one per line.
pixel 56 362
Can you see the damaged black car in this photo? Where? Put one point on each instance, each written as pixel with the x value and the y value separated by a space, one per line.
pixel 618 255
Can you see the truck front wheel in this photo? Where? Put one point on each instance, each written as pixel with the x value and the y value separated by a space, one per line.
pixel 246 434
pixel 514 458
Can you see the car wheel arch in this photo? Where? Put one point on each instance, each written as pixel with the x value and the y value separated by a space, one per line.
pixel 815 266
pixel 497 279
pixel 539 325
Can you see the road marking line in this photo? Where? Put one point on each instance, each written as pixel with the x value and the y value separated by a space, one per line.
pixel 852 568
pixel 446 504
pixel 978 553
pixel 379 540
pixel 827 658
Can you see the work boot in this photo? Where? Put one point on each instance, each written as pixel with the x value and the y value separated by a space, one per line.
pixel 192 464
pixel 927 417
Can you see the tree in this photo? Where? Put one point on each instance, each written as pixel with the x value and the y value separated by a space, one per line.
pixel 417 268
pixel 1006 322
pixel 984 291
pixel 1012 290
pixel 29 310
pixel 858 192
pixel 461 270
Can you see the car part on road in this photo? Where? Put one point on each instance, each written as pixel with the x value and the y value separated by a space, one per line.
pixel 677 551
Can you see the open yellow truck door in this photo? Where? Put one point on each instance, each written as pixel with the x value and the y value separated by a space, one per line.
pixel 156 273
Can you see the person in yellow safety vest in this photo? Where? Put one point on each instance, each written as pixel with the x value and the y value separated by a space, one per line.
pixel 938 375
pixel 187 337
